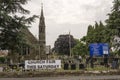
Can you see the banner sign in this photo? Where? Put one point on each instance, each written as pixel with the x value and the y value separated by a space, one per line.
pixel 42 64
pixel 98 49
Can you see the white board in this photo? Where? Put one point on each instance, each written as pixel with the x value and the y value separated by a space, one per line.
pixel 42 64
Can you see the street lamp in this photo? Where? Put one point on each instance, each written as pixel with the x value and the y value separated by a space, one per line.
pixel 70 44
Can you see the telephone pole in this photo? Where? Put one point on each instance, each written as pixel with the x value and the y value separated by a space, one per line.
pixel 70 44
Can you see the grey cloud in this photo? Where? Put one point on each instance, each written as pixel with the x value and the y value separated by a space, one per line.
pixel 64 15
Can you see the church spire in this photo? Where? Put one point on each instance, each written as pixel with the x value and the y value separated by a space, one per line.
pixel 42 39
pixel 42 10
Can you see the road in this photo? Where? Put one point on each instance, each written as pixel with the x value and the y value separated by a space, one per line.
pixel 107 77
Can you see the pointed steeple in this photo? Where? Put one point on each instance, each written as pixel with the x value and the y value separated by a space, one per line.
pixel 42 39
pixel 42 10
pixel 42 15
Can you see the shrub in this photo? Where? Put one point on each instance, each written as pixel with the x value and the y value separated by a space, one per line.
pixel 2 59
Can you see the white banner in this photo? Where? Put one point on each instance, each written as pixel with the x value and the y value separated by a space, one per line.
pixel 42 64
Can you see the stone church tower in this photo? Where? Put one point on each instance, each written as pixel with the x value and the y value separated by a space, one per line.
pixel 36 49
pixel 42 36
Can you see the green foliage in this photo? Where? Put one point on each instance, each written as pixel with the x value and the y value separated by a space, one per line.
pixel 113 22
pixel 95 34
pixel 80 49
pixel 62 45
pixel 11 36
pixel 13 6
pixel 105 34
pixel 2 59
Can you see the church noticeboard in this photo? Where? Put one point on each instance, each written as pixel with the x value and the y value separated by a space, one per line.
pixel 42 64
pixel 98 49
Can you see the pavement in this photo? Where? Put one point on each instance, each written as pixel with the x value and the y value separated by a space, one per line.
pixel 106 77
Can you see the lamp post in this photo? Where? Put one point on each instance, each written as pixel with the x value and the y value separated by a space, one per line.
pixel 70 45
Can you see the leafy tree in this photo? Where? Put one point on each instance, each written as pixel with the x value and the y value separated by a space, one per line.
pixel 96 27
pixel 90 29
pixel 80 49
pixel 95 34
pixel 90 34
pixel 2 59
pixel 62 44
pixel 11 25
pixel 113 22
pixel 105 34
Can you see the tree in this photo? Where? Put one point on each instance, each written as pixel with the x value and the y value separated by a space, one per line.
pixel 105 34
pixel 11 25
pixel 80 49
pixel 113 23
pixel 95 34
pixel 62 45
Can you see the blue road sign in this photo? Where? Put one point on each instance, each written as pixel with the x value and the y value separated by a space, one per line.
pixel 98 49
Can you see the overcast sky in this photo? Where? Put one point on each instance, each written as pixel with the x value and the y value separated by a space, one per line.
pixel 62 16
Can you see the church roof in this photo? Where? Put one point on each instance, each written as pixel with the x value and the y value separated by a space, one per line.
pixel 30 38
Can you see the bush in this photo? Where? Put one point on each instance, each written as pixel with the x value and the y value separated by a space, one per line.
pixel 2 59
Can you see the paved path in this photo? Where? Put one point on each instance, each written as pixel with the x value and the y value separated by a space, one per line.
pixel 107 77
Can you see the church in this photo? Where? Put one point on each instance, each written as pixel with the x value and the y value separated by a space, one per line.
pixel 37 47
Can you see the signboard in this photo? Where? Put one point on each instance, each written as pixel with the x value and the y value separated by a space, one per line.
pixel 42 64
pixel 105 48
pixel 98 49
